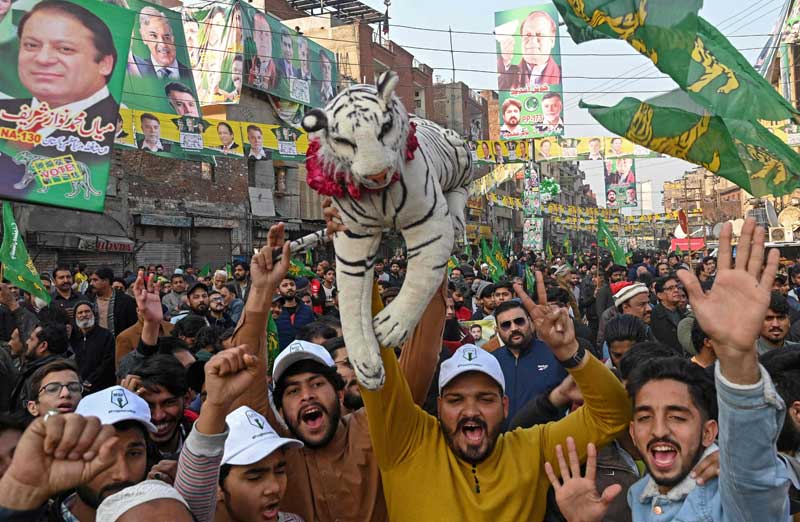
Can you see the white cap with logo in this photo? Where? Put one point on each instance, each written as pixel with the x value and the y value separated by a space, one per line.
pixel 116 404
pixel 251 438
pixel 471 358
pixel 299 351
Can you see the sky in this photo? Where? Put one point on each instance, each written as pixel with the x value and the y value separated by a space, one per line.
pixel 596 71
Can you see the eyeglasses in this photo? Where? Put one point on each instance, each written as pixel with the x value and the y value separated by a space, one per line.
pixel 54 388
pixel 519 321
pixel 217 300
pixel 673 287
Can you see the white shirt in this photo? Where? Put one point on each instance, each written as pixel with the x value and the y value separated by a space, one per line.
pixel 146 146
pixel 262 154
pixel 173 71
pixel 74 108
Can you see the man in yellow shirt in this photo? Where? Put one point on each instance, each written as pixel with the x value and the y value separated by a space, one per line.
pixel 461 467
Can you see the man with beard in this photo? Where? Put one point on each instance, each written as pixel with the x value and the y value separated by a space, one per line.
pixel 775 327
pixel 528 365
pixel 295 313
pixel 674 407
pixel 129 415
pixel 197 296
pixel 217 316
pixel 631 299
pixel 64 296
pixel 466 466
pixel 511 110
pixel 94 348
pixel 116 310
pixel 351 394
pixel 46 343
pixel 336 475
pixel 667 313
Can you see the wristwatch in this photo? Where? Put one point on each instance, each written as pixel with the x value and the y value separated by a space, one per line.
pixel 576 359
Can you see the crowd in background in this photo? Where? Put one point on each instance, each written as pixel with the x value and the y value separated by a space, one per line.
pixel 664 389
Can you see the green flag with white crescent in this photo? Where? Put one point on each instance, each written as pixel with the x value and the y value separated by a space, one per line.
pixel 607 240
pixel 18 268
pixel 741 151
pixel 684 46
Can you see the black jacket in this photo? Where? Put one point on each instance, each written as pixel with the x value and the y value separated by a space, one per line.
pixel 124 312
pixel 20 395
pixel 664 327
pixel 94 354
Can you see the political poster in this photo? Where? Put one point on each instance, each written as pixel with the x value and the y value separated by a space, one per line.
pixel 547 149
pixel 60 88
pixel 590 148
pixel 159 70
pixel 529 72
pixel 282 62
pixel 217 60
pixel 569 148
pixel 533 233
pixel 620 183
pixel 156 133
pixel 481 330
pixel 616 147
pixel 125 133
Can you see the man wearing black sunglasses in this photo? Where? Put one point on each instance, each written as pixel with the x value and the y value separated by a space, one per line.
pixel 528 364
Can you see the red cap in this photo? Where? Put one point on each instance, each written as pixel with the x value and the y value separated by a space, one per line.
pixel 616 287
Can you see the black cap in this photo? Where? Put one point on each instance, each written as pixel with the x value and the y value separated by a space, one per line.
pixel 487 291
pixel 195 286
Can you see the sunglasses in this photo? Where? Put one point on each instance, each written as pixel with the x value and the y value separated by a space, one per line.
pixel 519 321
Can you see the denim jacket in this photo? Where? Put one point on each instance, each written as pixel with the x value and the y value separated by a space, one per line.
pixel 754 481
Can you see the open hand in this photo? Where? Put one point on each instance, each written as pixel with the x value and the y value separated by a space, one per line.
pixel 733 311
pixel 264 273
pixel 56 455
pixel 577 497
pixel 148 298
pixel 553 324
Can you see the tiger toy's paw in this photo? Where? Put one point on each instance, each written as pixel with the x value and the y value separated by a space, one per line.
pixel 392 325
pixel 370 376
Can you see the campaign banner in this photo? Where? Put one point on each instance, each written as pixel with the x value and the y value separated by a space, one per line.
pixel 533 233
pixel 60 89
pixel 282 62
pixel 620 183
pixel 481 330
pixel 529 72
pixel 617 147
pixel 590 148
pixel 125 133
pixel 159 70
pixel 217 58
pixel 499 152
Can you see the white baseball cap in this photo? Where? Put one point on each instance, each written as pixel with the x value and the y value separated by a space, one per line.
pixel 471 358
pixel 299 351
pixel 116 404
pixel 251 438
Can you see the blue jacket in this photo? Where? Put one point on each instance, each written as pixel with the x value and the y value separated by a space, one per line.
pixel 289 324
pixel 754 481
pixel 535 372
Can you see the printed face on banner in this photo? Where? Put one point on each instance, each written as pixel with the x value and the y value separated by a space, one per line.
pixel 159 70
pixel 617 147
pixel 124 134
pixel 529 72
pixel 284 63
pixel 547 149
pixel 254 147
pixel 590 148
pixel 620 183
pixel 791 29
pixel 61 88
pixel 155 132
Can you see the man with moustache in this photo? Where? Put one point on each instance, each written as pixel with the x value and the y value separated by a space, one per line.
pixel 336 476
pixel 351 394
pixel 511 109
pixel 529 366
pixel 537 66
pixel 775 328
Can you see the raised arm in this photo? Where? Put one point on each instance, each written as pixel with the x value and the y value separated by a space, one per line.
pixel 149 304
pixel 265 276
pixel 754 481
pixel 606 411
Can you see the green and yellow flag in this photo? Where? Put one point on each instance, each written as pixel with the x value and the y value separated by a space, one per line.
pixel 487 256
pixel 549 252
pixel 567 246
pixel 499 257
pixel 299 269
pixel 743 152
pixel 684 46
pixel 451 264
pixel 272 342
pixel 609 242
pixel 309 258
pixel 18 266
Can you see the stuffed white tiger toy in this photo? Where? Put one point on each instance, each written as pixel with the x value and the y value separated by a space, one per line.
pixel 385 169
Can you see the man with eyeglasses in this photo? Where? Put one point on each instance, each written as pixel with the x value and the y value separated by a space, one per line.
pixel 217 316
pixel 667 313
pixel 529 366
pixel 55 386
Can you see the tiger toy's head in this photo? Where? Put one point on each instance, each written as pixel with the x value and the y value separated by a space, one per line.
pixel 361 136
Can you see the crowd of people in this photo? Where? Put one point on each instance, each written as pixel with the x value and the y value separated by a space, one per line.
pixel 662 390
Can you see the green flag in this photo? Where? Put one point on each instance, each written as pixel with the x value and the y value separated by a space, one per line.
pixel 530 281
pixel 741 151
pixel 567 246
pixel 549 252
pixel 678 250
pixel 299 269
pixel 309 258
pixel 272 342
pixel 205 271
pixel 607 241
pixel 499 257
pixel 229 270
pixel 684 46
pixel 487 256
pixel 18 266
pixel 451 264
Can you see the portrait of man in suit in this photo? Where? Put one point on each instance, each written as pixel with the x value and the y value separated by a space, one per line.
pixel 262 71
pixel 158 36
pixel 151 129
pixel 226 137
pixel 326 88
pixel 256 139
pixel 595 149
pixel 537 66
pixel 285 66
pixel 181 99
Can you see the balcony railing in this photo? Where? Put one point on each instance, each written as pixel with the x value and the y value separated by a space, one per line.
pixel 416 64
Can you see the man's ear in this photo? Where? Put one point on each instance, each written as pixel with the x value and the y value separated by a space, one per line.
pixel 33 408
pixel 710 431
pixel 43 346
